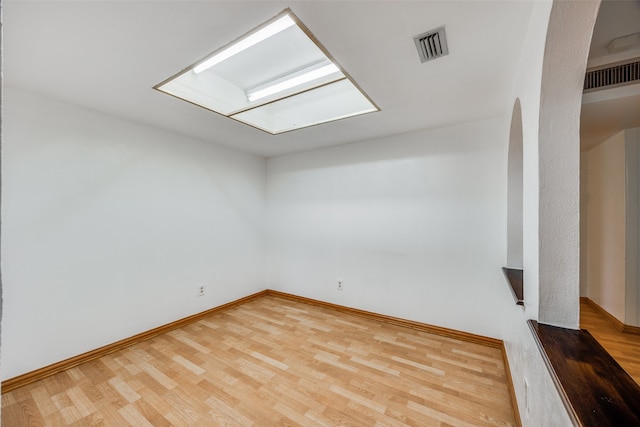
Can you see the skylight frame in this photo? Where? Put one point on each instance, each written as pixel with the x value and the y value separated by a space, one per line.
pixel 273 99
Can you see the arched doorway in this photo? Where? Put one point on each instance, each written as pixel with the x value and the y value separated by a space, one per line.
pixel 514 190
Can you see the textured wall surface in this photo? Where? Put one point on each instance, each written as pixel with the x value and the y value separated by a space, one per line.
pixel 565 59
pixel 550 196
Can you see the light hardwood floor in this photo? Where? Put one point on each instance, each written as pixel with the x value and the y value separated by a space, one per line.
pixel 623 347
pixel 276 362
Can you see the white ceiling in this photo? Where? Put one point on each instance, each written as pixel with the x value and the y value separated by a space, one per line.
pixel 615 109
pixel 616 18
pixel 106 56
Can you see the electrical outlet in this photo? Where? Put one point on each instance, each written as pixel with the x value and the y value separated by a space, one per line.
pixel 201 290
pixel 340 285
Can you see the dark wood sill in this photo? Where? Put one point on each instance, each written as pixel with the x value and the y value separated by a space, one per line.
pixel 515 279
pixel 595 389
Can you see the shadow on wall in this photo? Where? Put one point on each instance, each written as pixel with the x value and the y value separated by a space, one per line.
pixel 436 142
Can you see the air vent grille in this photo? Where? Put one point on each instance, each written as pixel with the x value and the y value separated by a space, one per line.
pixel 615 75
pixel 432 44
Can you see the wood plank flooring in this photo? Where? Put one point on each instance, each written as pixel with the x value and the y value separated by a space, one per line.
pixel 276 362
pixel 624 348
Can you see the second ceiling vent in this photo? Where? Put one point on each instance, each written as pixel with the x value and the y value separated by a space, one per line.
pixel 432 44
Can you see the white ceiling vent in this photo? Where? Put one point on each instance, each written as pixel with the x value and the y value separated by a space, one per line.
pixel 432 44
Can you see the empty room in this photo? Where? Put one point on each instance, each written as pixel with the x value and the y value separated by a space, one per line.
pixel 316 213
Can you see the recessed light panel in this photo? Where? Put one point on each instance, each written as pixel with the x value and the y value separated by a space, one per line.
pixel 276 78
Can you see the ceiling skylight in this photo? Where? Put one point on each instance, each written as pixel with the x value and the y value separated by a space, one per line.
pixel 276 78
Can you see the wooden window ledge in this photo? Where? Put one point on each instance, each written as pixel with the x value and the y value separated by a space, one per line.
pixel 593 386
pixel 515 279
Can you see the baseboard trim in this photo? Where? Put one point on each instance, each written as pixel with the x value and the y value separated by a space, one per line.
pixel 437 330
pixel 619 325
pixel 44 372
pixel 629 329
pixel 55 368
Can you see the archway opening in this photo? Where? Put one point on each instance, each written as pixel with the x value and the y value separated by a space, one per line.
pixel 514 190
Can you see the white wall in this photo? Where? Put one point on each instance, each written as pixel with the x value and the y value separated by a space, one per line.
pixel 632 232
pixel 109 227
pixel 368 212
pixel 541 404
pixel 566 49
pixel 549 194
pixel 584 236
pixel 606 225
pixel 414 225
pixel 611 238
